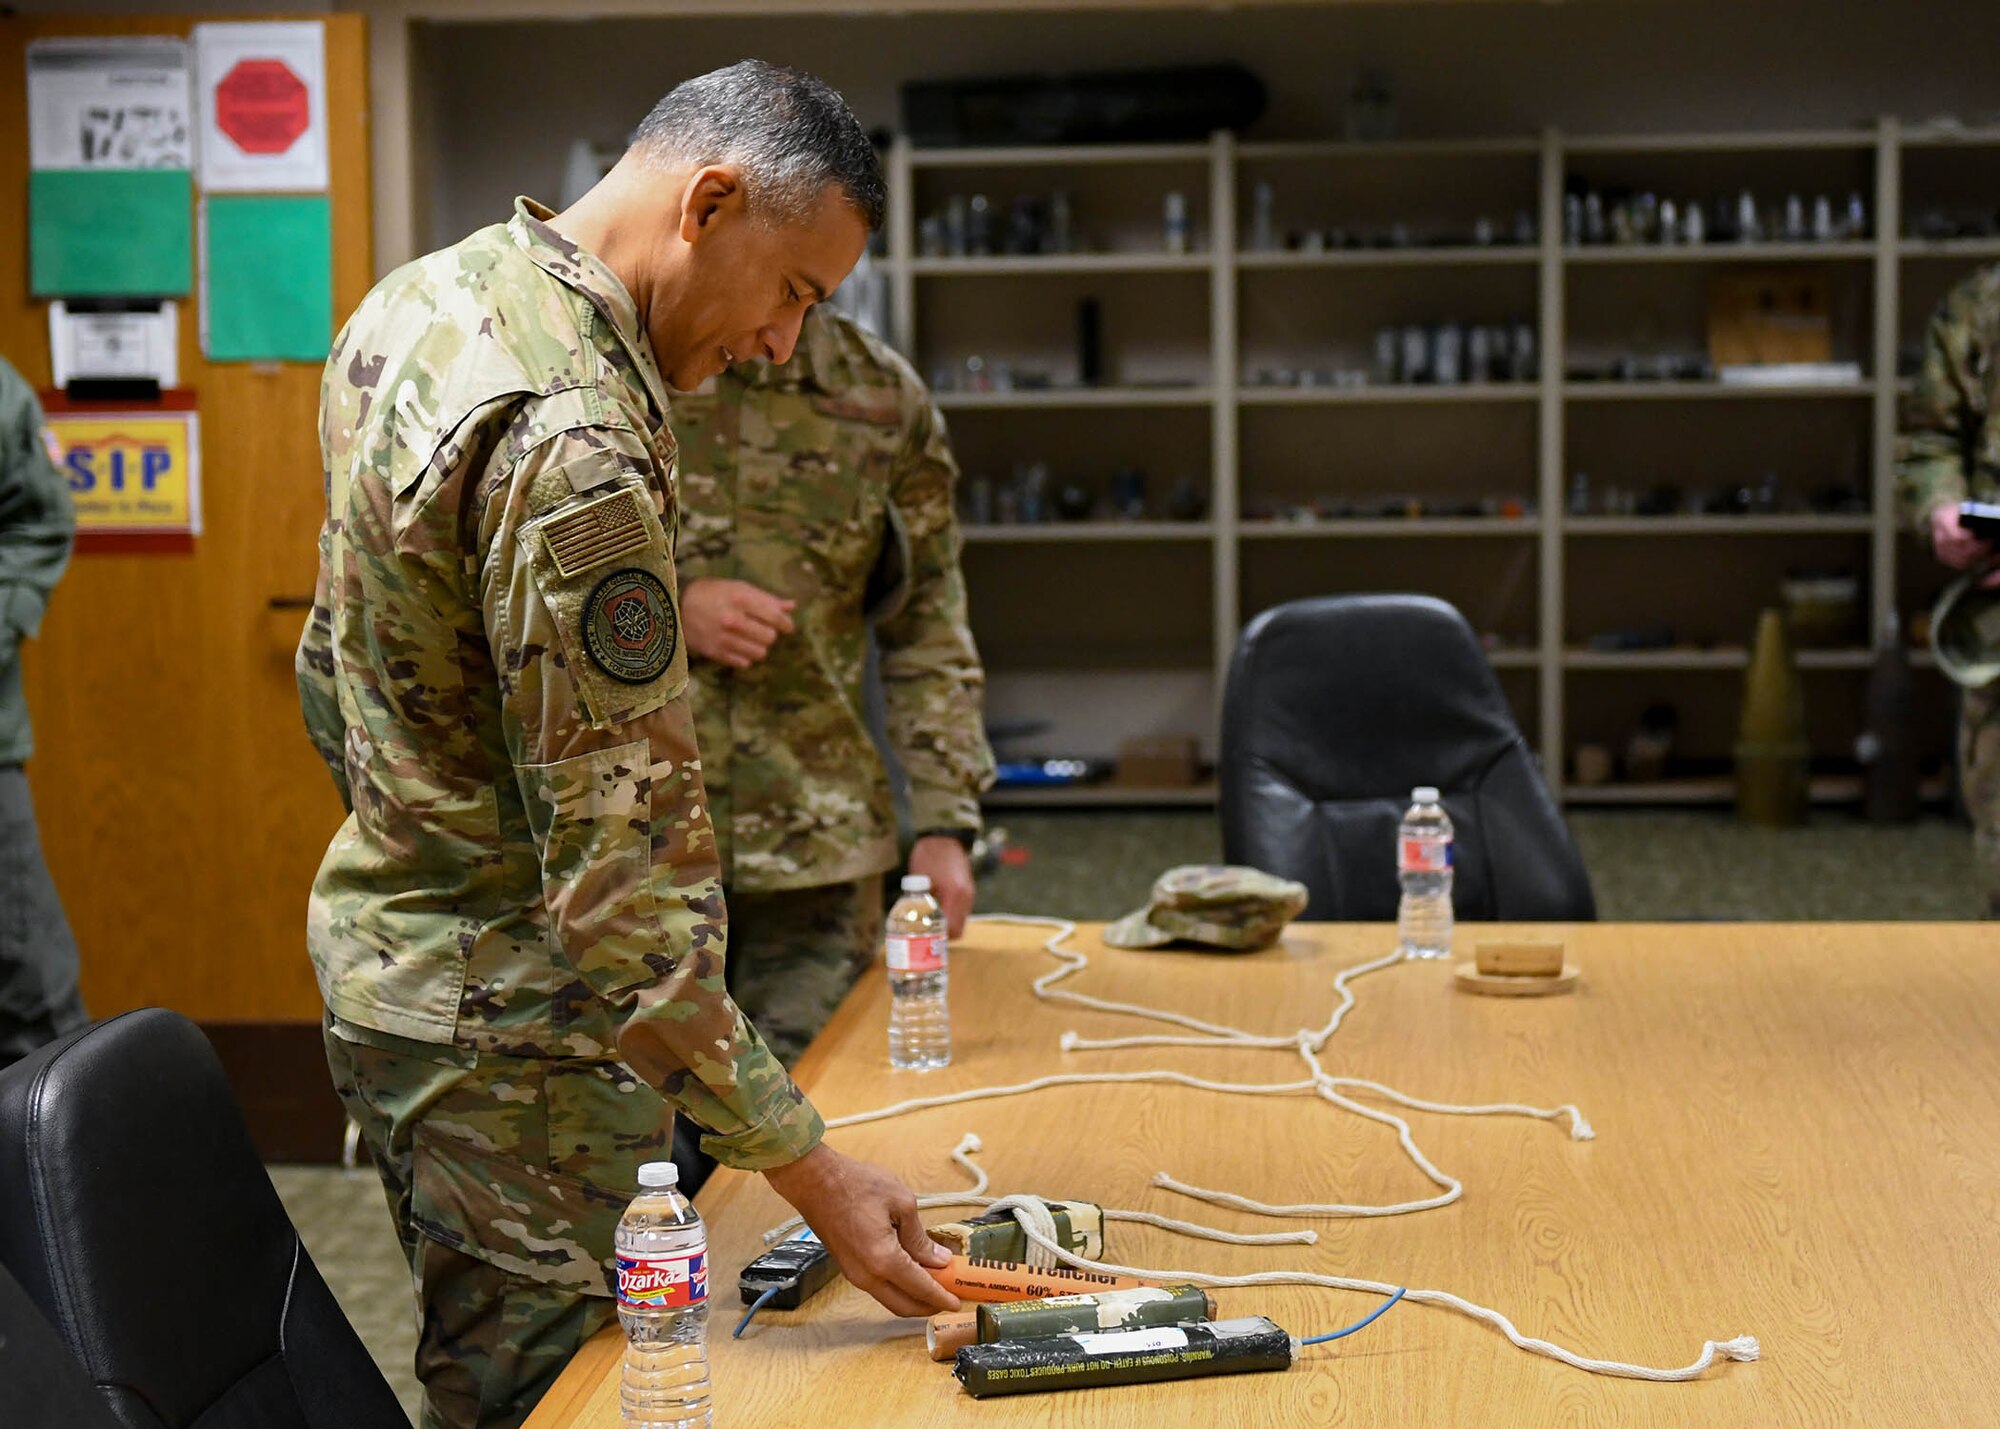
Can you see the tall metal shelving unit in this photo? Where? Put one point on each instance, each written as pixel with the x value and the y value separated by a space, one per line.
pixel 1557 281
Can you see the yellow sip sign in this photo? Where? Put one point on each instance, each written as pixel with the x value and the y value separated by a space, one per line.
pixel 130 471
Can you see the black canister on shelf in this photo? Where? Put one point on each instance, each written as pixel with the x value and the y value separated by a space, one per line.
pixel 1089 343
pixel 1128 494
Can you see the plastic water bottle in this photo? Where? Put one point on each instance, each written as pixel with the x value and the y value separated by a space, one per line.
pixel 1423 861
pixel 663 1305
pixel 919 979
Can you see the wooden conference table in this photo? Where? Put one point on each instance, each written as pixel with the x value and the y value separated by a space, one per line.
pixel 1798 1138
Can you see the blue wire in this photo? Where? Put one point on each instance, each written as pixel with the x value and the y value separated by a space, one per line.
pixel 762 1300
pixel 1360 1324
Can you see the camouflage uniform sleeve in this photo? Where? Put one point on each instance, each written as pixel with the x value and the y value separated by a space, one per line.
pixel 1942 418
pixel 582 615
pixel 318 699
pixel 932 681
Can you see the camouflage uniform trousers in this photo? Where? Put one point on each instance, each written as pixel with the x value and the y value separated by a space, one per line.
pixel 1979 769
pixel 793 955
pixel 506 1177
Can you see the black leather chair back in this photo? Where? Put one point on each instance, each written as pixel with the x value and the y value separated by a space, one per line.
pixel 135 1212
pixel 1338 707
pixel 43 1384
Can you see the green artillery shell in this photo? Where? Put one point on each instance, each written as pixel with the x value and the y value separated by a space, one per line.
pixel 1094 1313
pixel 1123 1357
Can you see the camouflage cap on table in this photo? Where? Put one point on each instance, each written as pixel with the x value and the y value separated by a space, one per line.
pixel 1224 906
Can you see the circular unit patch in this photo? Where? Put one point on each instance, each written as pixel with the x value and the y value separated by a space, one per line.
pixel 629 627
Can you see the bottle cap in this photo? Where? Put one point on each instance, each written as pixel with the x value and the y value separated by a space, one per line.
pixel 657 1175
pixel 916 883
pixel 1423 794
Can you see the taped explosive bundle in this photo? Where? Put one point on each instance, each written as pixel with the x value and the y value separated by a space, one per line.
pixel 1026 1337
pixel 1024 1340
pixel 997 1235
pixel 1142 1307
pixel 1019 1293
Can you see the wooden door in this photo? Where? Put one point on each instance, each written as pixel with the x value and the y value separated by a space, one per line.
pixel 182 808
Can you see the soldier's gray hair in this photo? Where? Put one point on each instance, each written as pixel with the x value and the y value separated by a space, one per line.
pixel 790 134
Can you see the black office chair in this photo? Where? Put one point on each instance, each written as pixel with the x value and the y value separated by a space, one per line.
pixel 136 1215
pixel 45 1387
pixel 1335 709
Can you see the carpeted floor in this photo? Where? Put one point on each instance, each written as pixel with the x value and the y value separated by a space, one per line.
pixel 344 1222
pixel 1646 865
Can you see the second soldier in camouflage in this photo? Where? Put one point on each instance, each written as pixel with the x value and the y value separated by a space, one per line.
pixel 816 501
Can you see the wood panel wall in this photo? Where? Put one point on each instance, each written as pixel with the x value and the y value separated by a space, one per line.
pixel 183 810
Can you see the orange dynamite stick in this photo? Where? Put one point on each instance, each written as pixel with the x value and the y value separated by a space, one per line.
pixel 945 1335
pixel 976 1279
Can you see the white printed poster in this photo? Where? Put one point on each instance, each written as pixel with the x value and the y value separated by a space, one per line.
pixel 263 106
pixel 114 342
pixel 111 103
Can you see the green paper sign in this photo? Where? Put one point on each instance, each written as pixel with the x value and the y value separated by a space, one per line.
pixel 267 278
pixel 110 233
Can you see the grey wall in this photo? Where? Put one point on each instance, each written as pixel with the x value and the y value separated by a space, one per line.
pixel 511 97
pixel 198 8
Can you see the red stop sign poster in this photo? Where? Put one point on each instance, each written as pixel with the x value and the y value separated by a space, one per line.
pixel 262 94
pixel 262 106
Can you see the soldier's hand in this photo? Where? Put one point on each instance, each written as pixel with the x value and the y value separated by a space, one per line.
pixel 868 1220
pixel 949 867
pixel 1954 545
pixel 733 623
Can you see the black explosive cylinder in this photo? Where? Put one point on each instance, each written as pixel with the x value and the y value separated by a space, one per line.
pixel 1123 1357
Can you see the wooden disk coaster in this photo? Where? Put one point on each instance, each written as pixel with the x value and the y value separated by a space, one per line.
pixel 1471 979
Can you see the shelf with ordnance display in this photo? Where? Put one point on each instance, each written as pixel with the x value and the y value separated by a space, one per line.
pixel 1248 367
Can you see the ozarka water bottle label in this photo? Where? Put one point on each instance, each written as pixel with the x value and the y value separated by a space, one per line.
pixel 1425 855
pixel 912 954
pixel 663 1282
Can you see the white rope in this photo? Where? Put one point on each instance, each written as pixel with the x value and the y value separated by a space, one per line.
pixel 1038 1222
pixel 1743 1347
pixel 1579 1129
pixel 1188 1228
pixel 962 1154
pixel 1068 1079
pixel 1074 962
pixel 970 1143
pixel 1038 1226
pixel 1228 1037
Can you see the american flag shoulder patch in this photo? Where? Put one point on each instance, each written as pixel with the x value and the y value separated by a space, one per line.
pixel 600 530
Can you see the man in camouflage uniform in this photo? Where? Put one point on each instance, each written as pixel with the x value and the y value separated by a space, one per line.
pixel 519 930
pixel 1948 452
pixel 816 497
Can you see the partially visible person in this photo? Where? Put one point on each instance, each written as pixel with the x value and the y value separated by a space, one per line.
pixel 1949 452
pixel 816 500
pixel 39 1000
